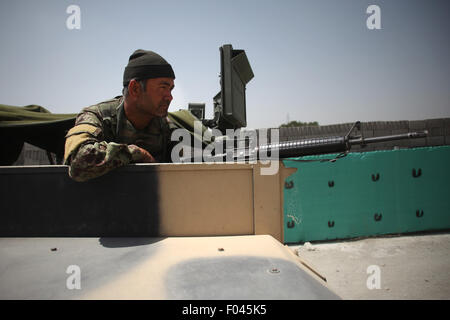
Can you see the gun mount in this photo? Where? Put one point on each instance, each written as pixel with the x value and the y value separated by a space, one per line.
pixel 229 103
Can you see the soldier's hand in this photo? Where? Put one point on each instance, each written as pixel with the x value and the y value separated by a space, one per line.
pixel 146 156
pixel 140 154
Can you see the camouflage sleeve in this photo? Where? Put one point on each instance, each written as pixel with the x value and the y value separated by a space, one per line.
pixel 88 156
pixel 94 159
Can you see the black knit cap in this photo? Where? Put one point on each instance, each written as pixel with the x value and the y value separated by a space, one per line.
pixel 145 64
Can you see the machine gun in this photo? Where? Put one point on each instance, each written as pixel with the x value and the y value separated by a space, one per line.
pixel 230 114
pixel 303 147
pixel 343 144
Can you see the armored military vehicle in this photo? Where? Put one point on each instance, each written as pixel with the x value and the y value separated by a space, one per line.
pixel 211 226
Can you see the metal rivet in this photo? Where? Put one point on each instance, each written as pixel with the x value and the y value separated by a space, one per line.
pixel 289 184
pixel 417 173
pixel 274 270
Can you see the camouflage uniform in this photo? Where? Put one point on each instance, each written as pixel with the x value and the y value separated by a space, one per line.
pixel 103 138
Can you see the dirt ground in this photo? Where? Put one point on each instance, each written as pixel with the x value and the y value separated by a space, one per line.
pixel 397 267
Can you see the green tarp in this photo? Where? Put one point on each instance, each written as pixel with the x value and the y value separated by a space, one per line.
pixel 29 115
pixel 37 126
pixel 32 124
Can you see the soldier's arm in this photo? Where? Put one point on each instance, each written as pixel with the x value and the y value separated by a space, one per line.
pixel 89 156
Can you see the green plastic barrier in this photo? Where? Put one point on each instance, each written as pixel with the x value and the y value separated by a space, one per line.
pixel 367 194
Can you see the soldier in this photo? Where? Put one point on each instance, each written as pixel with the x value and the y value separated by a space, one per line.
pixel 127 129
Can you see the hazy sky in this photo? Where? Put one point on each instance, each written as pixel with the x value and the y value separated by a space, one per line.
pixel 313 60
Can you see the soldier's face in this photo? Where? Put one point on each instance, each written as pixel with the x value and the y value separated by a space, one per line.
pixel 156 98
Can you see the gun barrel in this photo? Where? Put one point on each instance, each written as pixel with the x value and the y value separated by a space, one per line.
pixel 303 147
pixel 314 146
pixel 403 136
